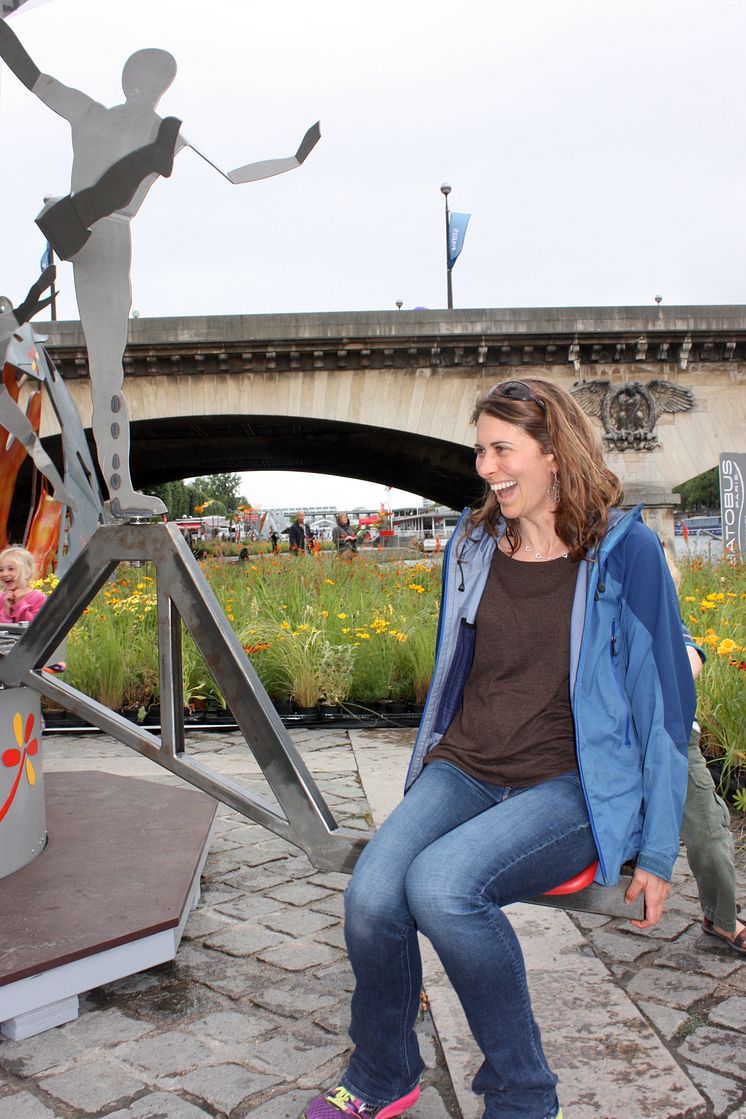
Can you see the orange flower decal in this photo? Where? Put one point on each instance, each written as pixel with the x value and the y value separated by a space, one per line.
pixel 20 756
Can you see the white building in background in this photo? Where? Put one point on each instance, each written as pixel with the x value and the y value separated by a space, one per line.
pixel 429 524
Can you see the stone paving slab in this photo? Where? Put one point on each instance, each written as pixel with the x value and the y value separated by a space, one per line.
pixel 255 1033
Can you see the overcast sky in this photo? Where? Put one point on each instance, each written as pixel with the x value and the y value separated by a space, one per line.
pixel 599 148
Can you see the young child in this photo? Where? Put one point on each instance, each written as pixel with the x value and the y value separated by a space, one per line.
pixel 18 602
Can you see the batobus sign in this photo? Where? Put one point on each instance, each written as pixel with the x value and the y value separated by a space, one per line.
pixel 733 504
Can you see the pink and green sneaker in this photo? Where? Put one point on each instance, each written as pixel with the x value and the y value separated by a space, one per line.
pixel 341 1102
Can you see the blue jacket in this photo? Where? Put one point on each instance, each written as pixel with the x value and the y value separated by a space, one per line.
pixel 631 686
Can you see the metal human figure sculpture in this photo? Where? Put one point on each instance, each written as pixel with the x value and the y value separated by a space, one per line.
pixel 118 153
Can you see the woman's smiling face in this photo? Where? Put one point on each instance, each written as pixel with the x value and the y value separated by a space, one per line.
pixel 515 467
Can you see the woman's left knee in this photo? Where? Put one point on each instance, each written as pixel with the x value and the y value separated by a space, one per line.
pixel 435 895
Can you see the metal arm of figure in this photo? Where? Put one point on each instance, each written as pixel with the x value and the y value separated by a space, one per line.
pixel 60 98
pixel 266 168
pixel 17 58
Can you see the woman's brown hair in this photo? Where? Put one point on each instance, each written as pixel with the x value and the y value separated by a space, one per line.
pixel 587 488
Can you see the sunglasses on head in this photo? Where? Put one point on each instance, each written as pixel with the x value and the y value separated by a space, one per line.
pixel 517 390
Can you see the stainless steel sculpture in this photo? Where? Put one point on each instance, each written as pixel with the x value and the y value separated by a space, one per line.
pixel 118 153
pixel 22 349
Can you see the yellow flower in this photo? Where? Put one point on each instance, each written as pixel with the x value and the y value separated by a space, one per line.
pixel 342 617
pixel 690 598
pixel 345 629
pixel 284 625
pixel 710 639
pixel 329 582
pixel 705 605
pixel 726 647
pixel 417 587
pixel 324 614
pixel 230 617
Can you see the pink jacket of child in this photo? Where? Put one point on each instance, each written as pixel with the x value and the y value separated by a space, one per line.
pixel 25 609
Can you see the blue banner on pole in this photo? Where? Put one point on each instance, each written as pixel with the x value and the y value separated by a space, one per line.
pixel 46 259
pixel 457 224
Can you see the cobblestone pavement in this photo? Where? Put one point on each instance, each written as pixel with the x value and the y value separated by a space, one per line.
pixel 251 1017
pixel 689 986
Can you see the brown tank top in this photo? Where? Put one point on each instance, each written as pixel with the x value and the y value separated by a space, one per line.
pixel 514 726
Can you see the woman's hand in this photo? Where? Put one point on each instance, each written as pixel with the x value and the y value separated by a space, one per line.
pixel 655 890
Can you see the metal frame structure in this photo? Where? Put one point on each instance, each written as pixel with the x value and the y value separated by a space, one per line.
pixel 183 594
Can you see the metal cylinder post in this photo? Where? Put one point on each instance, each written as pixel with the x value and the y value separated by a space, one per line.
pixel 23 822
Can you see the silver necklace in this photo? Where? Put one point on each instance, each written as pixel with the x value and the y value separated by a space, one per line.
pixel 539 556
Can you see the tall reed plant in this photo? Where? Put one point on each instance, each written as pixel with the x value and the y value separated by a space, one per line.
pixel 713 604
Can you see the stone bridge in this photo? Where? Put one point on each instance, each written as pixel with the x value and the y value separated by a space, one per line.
pixel 386 396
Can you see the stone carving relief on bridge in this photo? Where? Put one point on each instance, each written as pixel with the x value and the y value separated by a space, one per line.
pixel 629 412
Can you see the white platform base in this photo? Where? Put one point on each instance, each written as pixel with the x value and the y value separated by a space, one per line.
pixel 44 1018
pixel 30 1006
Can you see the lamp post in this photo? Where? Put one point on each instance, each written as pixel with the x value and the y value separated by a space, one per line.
pixel 445 190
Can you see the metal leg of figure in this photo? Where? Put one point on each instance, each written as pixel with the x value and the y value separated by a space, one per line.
pixel 102 286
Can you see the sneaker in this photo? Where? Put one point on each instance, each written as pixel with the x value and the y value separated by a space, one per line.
pixel 341 1102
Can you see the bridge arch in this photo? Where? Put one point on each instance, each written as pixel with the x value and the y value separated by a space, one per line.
pixel 167 449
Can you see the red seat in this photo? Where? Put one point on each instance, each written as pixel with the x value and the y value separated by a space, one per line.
pixel 579 882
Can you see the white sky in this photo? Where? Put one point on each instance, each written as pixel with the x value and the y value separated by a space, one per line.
pixel 597 147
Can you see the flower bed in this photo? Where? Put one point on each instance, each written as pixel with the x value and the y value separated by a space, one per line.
pixel 713 604
pixel 316 628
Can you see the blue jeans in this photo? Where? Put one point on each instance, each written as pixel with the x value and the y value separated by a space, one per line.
pixel 445 862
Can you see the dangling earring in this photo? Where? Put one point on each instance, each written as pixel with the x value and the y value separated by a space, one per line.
pixel 553 489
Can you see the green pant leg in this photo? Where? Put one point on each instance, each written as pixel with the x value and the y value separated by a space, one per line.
pixel 705 832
